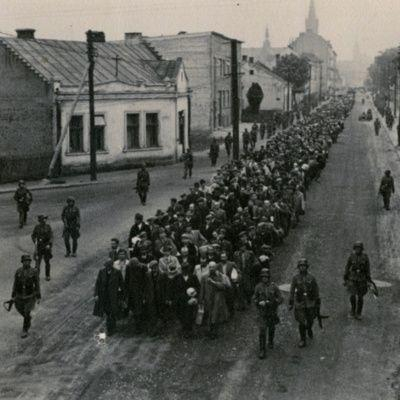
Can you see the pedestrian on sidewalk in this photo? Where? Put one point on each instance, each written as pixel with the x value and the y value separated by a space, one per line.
pixel 377 126
pixel 228 144
pixel 214 152
pixel 246 140
pixel 42 237
pixel 304 297
pixel 24 198
pixel 72 223
pixel 187 158
pixel 356 278
pixel 142 184
pixel 267 297
pixel 386 189
pixel 26 291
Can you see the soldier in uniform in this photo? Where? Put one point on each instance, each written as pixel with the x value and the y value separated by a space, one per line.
pixel 304 297
pixel 228 144
pixel 42 236
pixel 356 278
pixel 72 222
pixel 23 197
pixel 187 159
pixel 386 189
pixel 267 297
pixel 142 184
pixel 377 126
pixel 26 291
pixel 214 152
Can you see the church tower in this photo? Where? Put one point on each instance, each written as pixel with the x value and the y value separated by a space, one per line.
pixel 312 21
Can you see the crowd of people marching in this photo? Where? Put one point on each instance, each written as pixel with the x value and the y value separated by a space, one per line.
pixel 200 260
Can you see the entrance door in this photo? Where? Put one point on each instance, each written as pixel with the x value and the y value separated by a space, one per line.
pixel 181 118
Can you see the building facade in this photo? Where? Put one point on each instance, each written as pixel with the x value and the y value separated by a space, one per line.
pixel 207 58
pixel 141 106
pixel 277 92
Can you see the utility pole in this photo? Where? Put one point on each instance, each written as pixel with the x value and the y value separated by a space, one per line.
pixel 235 99
pixel 92 131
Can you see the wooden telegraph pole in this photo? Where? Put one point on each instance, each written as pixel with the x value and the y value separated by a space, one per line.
pixel 235 99
pixel 92 131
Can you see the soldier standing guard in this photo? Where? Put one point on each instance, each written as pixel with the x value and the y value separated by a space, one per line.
pixel 304 296
pixel 356 278
pixel 42 236
pixel 23 197
pixel 26 292
pixel 72 222
pixel 386 189
pixel 142 184
pixel 187 159
pixel 267 297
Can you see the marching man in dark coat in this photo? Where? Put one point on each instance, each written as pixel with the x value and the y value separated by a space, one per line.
pixel 72 223
pixel 386 189
pixel 26 292
pixel 142 184
pixel 108 292
pixel 356 278
pixel 42 236
pixel 267 297
pixel 228 140
pixel 187 159
pixel 377 126
pixel 23 197
pixel 304 297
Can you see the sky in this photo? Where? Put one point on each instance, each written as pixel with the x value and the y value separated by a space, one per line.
pixel 373 23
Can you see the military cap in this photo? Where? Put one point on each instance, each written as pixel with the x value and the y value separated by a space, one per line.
pixel 26 257
pixel 358 244
pixel 41 217
pixel 265 272
pixel 21 182
pixel 70 199
pixel 302 261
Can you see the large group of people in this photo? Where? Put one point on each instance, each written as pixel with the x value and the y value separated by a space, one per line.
pixel 210 253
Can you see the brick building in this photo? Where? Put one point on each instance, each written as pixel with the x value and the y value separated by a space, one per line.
pixel 141 105
pixel 207 58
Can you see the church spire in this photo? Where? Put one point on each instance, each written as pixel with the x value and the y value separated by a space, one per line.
pixel 312 20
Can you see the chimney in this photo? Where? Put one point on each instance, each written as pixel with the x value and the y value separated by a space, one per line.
pixel 132 35
pixel 25 33
pixel 98 37
pixel 251 60
pixel 244 58
pixel 182 33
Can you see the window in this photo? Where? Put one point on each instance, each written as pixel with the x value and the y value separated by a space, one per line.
pixel 133 131
pixel 99 128
pixel 76 134
pixel 228 98
pixel 152 128
pixel 221 67
pixel 251 72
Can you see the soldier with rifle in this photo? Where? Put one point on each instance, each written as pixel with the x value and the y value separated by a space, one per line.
pixel 23 197
pixel 386 189
pixel 267 297
pixel 42 237
pixel 357 277
pixel 25 292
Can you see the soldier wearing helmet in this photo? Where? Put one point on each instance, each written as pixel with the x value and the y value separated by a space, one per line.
pixel 386 189
pixel 267 297
pixel 26 291
pixel 72 223
pixel 356 278
pixel 304 297
pixel 23 197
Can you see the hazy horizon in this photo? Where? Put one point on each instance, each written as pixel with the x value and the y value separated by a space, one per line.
pixel 343 22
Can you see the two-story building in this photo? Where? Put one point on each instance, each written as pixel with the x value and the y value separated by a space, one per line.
pixel 141 105
pixel 207 58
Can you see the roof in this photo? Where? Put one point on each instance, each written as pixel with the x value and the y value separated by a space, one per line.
pixel 166 69
pixel 65 61
pixel 264 68
pixel 192 34
pixel 312 57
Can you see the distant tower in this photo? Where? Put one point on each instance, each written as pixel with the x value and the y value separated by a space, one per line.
pixel 312 20
pixel 265 55
pixel 266 44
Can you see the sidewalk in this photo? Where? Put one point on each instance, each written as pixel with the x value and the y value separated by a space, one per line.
pixel 84 179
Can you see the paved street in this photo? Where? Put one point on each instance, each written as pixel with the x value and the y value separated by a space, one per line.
pixel 347 360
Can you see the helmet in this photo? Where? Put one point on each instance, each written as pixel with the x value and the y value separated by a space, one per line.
pixel 70 199
pixel 359 245
pixel 265 272
pixel 26 257
pixel 302 261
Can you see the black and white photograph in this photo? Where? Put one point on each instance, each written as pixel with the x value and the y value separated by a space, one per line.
pixel 198 200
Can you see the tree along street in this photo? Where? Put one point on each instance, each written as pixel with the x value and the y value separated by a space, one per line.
pixel 349 359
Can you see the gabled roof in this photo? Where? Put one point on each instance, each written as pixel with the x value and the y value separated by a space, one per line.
pixel 167 70
pixel 64 61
